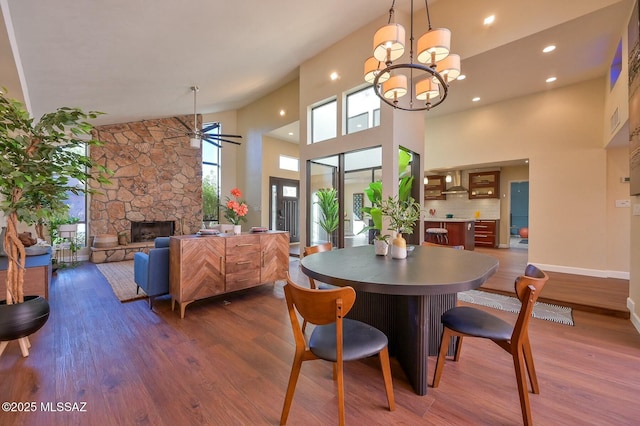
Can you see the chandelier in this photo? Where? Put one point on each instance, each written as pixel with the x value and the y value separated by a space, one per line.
pixel 434 69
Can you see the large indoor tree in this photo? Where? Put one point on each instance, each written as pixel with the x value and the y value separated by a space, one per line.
pixel 38 160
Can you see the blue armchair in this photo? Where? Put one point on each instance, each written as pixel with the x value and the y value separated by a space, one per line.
pixel 151 271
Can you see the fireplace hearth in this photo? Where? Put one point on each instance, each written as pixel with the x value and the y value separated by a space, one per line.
pixel 150 230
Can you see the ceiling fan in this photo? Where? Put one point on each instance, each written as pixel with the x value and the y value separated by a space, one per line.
pixel 196 135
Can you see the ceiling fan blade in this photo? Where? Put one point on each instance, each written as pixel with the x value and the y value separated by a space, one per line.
pixel 211 127
pixel 217 145
pixel 214 139
pixel 227 136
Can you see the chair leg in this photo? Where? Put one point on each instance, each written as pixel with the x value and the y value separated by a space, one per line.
pixel 340 372
pixel 456 356
pixel 444 348
pixel 137 289
pixel 523 391
pixel 531 369
pixel 291 388
pixel 150 302
pixel 386 375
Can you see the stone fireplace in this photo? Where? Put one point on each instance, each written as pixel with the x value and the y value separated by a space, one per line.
pixel 156 177
pixel 149 231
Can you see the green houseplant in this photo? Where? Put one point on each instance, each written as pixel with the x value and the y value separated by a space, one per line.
pixel 37 162
pixel 328 203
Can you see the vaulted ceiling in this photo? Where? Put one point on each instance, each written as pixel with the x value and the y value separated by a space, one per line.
pixel 136 59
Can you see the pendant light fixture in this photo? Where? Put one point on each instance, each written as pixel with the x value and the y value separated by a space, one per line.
pixel 431 74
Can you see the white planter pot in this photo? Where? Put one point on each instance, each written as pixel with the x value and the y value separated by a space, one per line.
pixel 381 247
pixel 237 229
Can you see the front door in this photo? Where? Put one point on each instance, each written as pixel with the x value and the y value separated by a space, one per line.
pixel 284 207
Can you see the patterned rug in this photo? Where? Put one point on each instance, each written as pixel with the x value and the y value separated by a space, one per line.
pixel 119 275
pixel 545 311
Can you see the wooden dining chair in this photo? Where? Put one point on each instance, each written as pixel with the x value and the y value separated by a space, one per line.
pixel 334 338
pixel 316 249
pixel 466 321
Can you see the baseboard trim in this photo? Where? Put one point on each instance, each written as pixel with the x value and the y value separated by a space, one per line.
pixel 635 319
pixel 598 273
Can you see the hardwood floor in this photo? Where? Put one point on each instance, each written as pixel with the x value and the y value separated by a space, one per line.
pixel 228 361
pixel 607 296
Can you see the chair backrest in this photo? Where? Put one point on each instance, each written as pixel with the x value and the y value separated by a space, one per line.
pixel 161 242
pixel 318 307
pixel 532 276
pixel 528 289
pixel 318 248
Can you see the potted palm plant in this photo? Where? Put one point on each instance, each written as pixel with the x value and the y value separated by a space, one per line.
pixel 328 203
pixel 402 218
pixel 38 162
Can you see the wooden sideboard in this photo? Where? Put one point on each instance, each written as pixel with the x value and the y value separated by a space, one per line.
pixel 205 266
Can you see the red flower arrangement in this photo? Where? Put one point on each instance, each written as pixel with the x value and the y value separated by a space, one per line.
pixel 236 209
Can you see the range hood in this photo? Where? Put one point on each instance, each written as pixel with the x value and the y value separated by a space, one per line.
pixel 457 187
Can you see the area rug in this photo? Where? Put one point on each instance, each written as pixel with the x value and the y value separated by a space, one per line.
pixel 545 311
pixel 119 275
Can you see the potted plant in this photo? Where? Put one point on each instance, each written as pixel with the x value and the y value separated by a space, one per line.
pixel 328 203
pixel 402 218
pixel 38 162
pixel 381 244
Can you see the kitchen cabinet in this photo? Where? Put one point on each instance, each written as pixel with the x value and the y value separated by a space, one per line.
pixel 460 232
pixel 484 185
pixel 487 233
pixel 434 188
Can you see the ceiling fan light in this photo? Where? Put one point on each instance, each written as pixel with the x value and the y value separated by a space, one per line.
pixel 194 142
pixel 436 41
pixel 388 43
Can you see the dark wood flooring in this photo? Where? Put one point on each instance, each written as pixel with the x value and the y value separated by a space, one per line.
pixel 228 361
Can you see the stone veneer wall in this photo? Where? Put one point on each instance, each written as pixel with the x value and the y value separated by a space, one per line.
pixel 157 176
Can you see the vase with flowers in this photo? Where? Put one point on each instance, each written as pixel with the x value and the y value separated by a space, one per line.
pixel 236 210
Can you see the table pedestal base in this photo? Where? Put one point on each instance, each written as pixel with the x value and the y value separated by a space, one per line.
pixel 412 324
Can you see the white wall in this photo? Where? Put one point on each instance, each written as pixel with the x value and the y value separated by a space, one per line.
pixel 560 132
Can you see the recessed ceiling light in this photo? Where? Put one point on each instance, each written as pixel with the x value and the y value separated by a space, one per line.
pixel 282 112
pixel 489 19
pixel 551 79
pixel 461 77
pixel 549 48
pixel 334 76
pixel 476 99
pixel 290 133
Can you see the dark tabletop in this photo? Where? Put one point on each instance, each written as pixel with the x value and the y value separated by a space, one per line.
pixel 428 270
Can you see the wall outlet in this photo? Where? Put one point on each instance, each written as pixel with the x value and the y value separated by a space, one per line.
pixel 623 203
pixel 636 209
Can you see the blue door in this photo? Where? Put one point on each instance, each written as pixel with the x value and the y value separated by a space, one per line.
pixel 519 206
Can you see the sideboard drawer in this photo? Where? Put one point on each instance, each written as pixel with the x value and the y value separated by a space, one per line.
pixel 243 279
pixel 242 262
pixel 243 245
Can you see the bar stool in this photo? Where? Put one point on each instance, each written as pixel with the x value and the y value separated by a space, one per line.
pixel 438 235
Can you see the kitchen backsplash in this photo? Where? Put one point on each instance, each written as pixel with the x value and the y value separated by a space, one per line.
pixel 460 206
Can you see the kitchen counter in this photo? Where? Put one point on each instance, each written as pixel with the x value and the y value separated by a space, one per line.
pixel 461 231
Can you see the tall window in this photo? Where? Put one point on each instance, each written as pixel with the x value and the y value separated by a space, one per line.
pixel 78 205
pixel 324 121
pixel 210 178
pixel 363 110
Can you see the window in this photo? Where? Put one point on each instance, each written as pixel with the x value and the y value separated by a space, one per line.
pixel 324 121
pixel 363 110
pixel 78 206
pixel 289 163
pixel 210 178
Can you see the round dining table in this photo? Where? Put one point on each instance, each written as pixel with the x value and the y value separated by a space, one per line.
pixel 404 298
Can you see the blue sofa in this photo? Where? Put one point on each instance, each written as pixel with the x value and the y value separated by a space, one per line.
pixel 151 271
